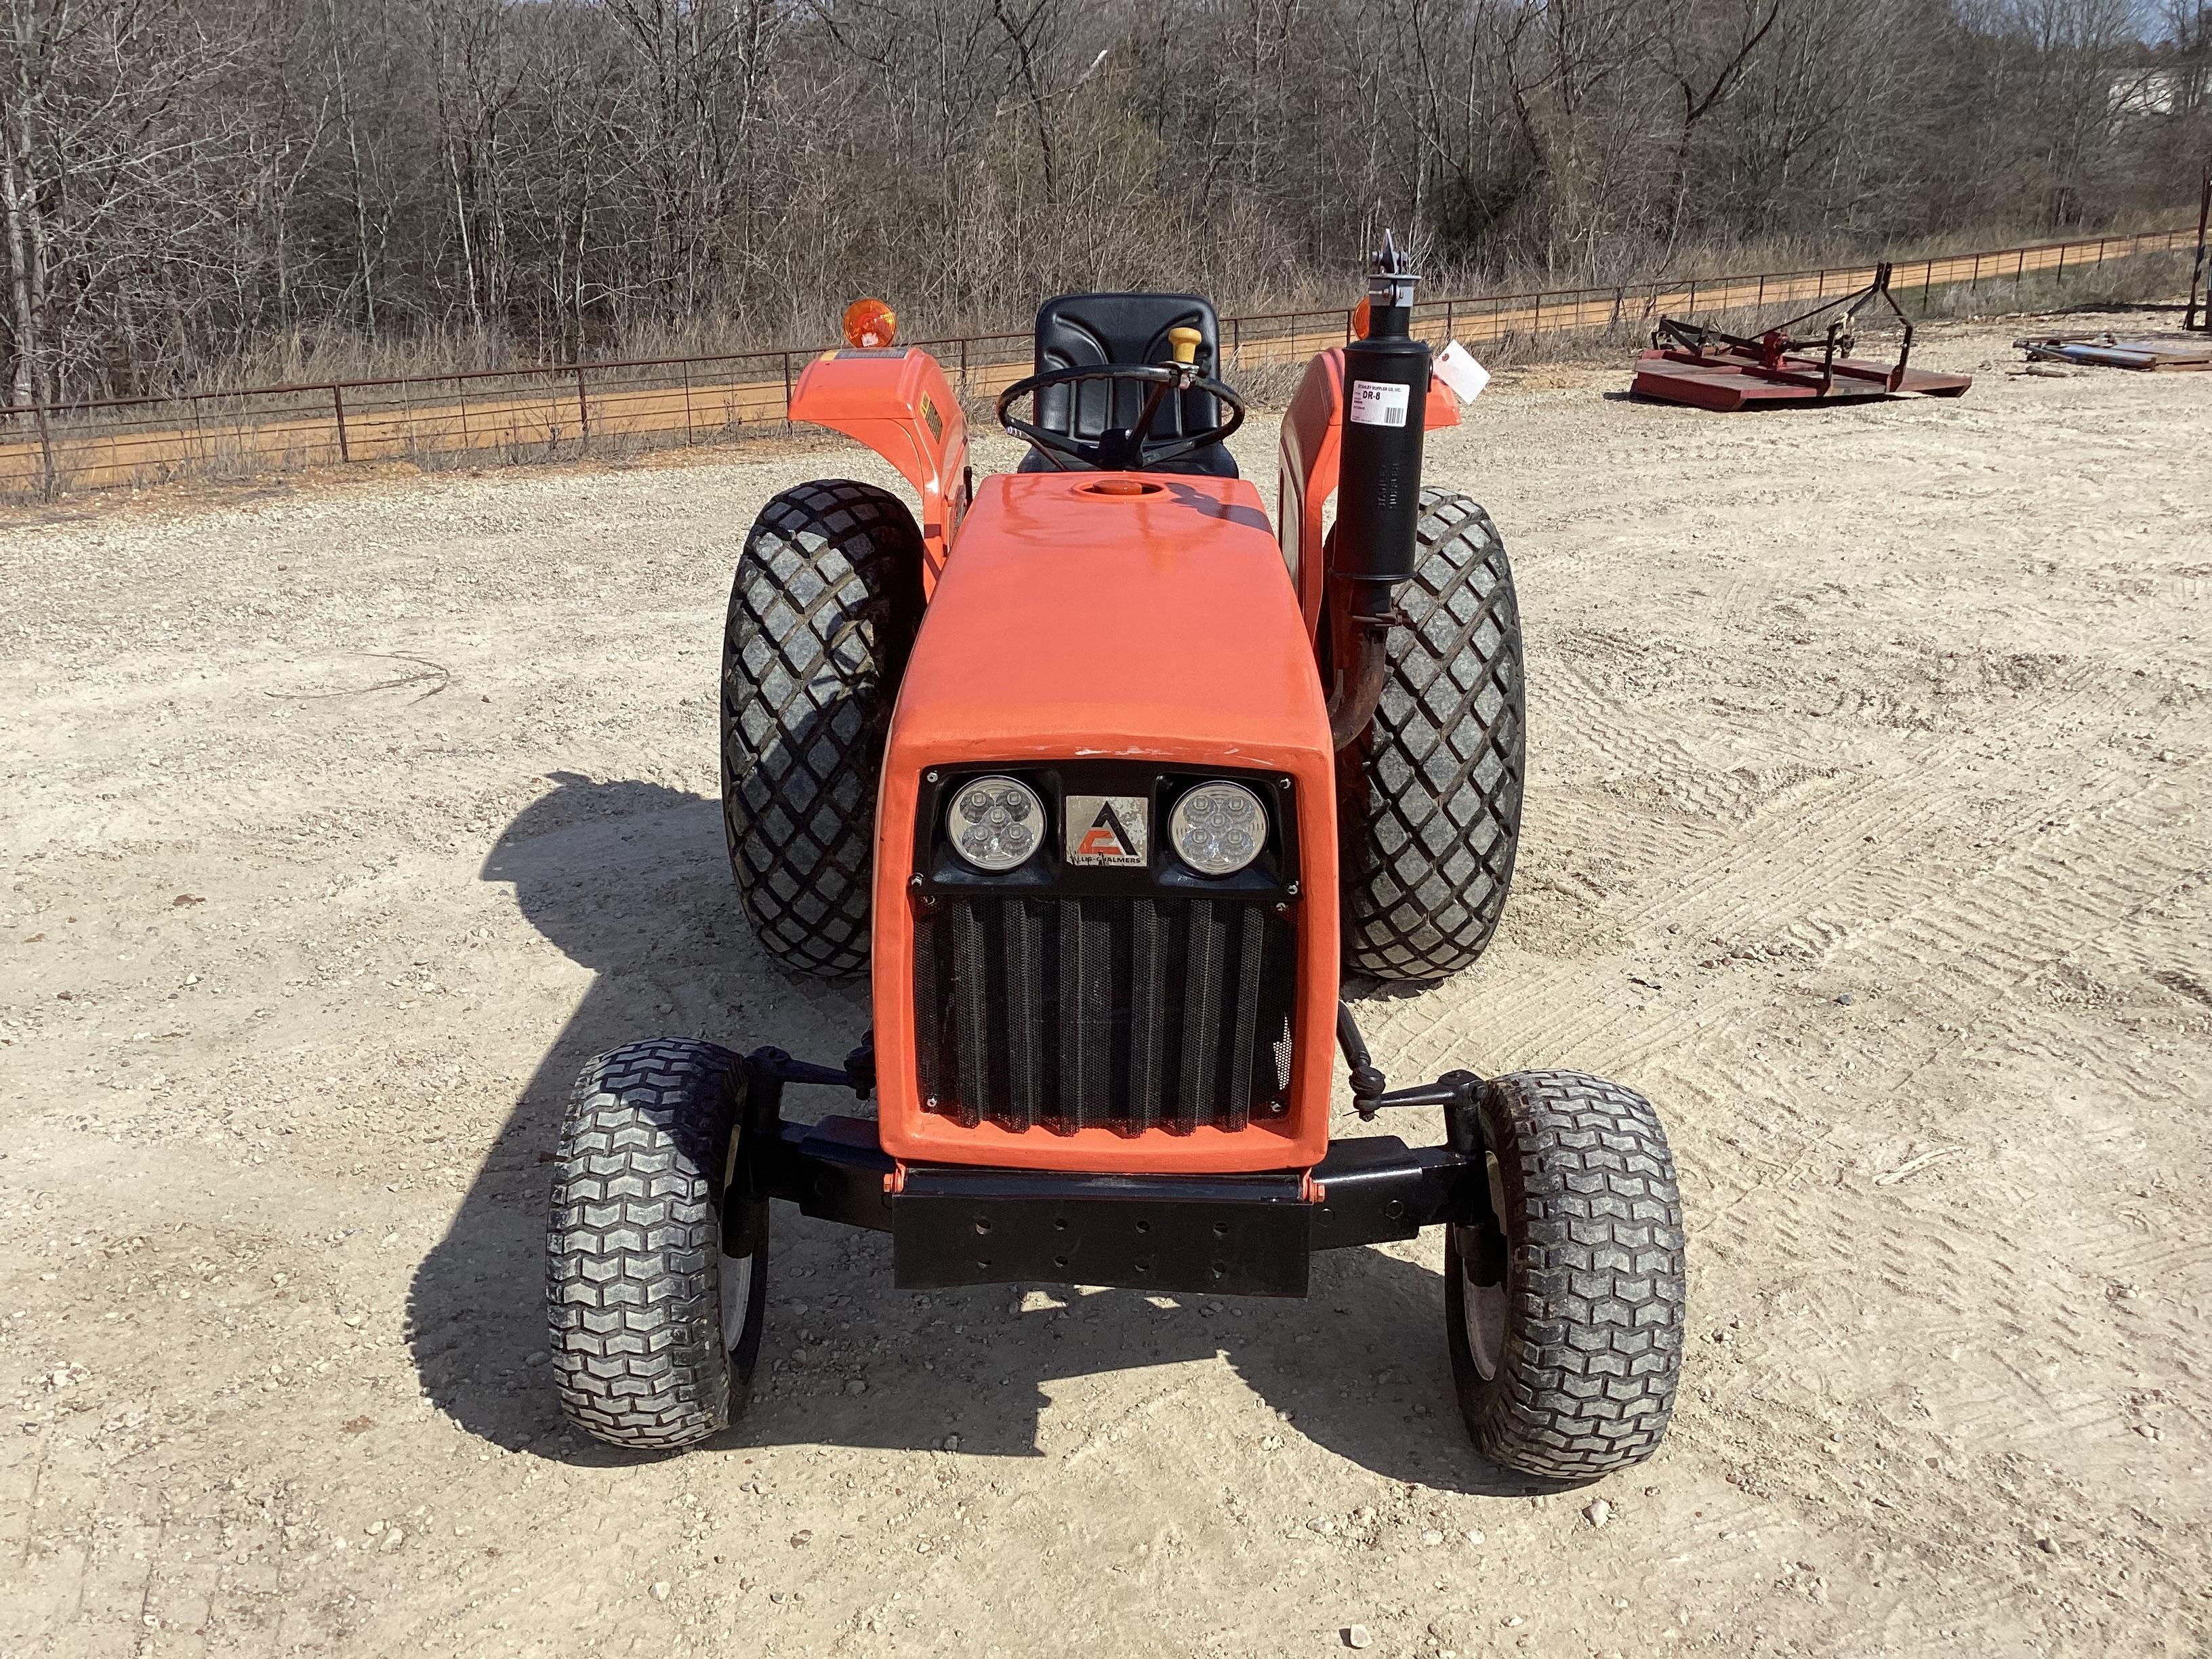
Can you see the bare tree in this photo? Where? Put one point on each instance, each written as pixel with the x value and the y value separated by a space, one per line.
pixel 192 187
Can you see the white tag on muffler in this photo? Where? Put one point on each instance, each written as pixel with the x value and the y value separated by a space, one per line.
pixel 1456 368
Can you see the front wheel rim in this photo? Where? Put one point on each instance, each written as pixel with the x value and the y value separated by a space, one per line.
pixel 736 1299
pixel 1482 1313
pixel 1483 1308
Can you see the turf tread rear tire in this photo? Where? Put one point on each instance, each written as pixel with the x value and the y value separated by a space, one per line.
pixel 822 612
pixel 634 1260
pixel 1594 1308
pixel 1429 795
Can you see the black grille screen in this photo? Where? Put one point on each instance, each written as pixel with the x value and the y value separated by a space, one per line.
pixel 1126 1014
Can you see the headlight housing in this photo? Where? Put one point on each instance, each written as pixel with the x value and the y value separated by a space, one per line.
pixel 1218 828
pixel 996 824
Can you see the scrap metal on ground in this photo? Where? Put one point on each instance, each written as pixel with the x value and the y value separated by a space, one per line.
pixel 1708 368
pixel 2107 351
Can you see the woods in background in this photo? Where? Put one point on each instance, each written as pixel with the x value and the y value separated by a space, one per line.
pixel 202 190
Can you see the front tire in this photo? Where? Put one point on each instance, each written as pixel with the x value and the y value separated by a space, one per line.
pixel 1429 796
pixel 823 614
pixel 1563 1308
pixel 656 1287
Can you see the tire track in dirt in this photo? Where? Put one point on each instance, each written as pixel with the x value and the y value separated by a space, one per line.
pixel 1966 950
pixel 1952 1274
pixel 1809 871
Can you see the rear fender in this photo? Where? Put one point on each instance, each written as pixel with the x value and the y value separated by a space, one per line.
pixel 899 404
pixel 1312 448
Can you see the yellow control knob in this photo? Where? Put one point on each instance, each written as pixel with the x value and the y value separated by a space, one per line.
pixel 1183 343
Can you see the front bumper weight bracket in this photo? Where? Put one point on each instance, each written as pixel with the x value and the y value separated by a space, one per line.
pixel 1230 1235
pixel 1248 1236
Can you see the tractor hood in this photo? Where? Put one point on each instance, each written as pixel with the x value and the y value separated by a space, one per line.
pixel 1113 615
pixel 1122 620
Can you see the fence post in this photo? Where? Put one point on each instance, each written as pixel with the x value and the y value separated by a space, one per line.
pixel 2062 261
pixel 583 408
pixel 1536 317
pixel 688 436
pixel 337 413
pixel 787 393
pixel 47 476
pixel 964 365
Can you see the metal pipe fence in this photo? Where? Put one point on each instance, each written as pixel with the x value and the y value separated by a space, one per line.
pixel 490 417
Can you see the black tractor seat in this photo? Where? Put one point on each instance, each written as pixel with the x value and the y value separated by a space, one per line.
pixel 1097 330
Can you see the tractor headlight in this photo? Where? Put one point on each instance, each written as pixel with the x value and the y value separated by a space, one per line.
pixel 996 824
pixel 1218 828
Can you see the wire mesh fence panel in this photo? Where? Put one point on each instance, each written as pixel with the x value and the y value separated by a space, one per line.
pixel 981 364
pixel 521 414
pixel 151 440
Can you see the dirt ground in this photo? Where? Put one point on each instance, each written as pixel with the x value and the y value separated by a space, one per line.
pixel 1866 832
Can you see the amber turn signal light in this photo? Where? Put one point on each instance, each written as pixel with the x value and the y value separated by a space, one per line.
pixel 870 324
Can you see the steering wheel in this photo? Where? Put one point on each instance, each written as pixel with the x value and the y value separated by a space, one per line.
pixel 1121 449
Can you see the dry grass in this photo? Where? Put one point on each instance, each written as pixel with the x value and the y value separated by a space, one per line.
pixel 339 354
pixel 2133 281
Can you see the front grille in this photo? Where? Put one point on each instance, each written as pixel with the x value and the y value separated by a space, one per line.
pixel 1128 1014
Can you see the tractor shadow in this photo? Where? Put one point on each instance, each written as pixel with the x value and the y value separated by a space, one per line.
pixel 629 879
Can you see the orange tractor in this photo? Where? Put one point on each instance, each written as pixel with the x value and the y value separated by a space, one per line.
pixel 1107 786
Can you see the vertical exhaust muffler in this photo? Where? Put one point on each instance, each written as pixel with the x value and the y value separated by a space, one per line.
pixel 1379 504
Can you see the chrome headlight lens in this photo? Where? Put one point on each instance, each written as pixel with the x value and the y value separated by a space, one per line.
pixel 996 824
pixel 1218 828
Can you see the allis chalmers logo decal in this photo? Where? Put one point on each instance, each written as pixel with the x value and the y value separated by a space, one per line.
pixel 1106 829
